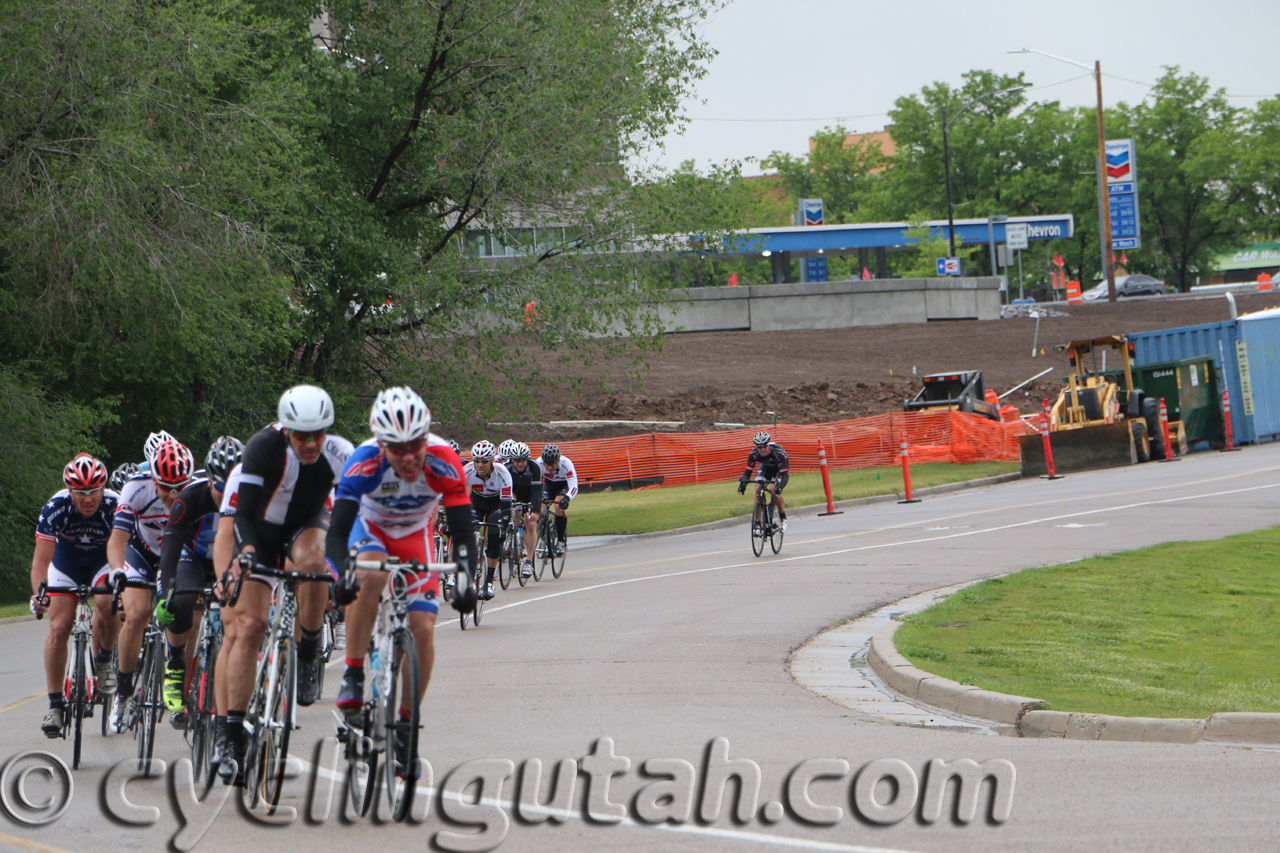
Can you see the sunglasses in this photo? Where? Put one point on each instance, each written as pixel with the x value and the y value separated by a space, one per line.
pixel 316 436
pixel 405 448
pixel 166 488
pixel 84 493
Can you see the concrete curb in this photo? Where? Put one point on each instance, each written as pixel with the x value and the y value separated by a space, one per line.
pixel 1032 720
pixel 814 509
pixel 26 618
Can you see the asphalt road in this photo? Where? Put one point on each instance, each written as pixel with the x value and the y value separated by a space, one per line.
pixel 666 644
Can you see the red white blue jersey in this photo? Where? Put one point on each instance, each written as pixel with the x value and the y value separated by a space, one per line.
pixel 565 473
pixel 390 503
pixel 142 514
pixel 79 542
pixel 496 485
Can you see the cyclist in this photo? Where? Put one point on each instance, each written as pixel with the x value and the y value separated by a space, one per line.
pixel 383 507
pixel 186 561
pixel 121 475
pixel 772 460
pixel 490 487
pixel 559 486
pixel 71 549
pixel 504 452
pixel 134 553
pixel 287 472
pixel 526 488
pixel 150 446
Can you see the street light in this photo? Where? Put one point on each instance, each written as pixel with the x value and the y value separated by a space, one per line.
pixel 1104 213
pixel 946 160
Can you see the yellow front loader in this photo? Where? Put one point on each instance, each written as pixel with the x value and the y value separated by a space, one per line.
pixel 1100 420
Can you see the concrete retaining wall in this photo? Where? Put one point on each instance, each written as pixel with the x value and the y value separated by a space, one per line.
pixel 832 305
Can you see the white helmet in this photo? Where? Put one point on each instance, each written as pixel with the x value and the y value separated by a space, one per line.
pixel 305 408
pixel 507 449
pixel 482 450
pixel 399 414
pixel 153 442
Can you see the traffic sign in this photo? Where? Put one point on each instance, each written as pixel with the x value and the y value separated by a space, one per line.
pixel 949 266
pixel 1015 235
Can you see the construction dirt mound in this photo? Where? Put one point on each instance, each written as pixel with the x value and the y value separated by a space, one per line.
pixel 810 376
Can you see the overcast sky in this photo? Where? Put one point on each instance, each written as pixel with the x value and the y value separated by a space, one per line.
pixel 829 60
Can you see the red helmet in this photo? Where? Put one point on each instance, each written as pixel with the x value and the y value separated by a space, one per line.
pixel 172 465
pixel 84 473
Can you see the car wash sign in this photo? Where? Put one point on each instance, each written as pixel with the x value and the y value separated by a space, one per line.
pixel 1122 191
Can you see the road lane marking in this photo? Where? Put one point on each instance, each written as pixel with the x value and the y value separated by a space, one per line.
pixel 24 844
pixel 926 540
pixel 13 705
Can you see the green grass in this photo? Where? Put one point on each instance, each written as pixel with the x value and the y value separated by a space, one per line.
pixel 649 510
pixel 18 608
pixel 1184 629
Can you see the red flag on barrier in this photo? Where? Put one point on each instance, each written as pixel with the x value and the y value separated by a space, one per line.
pixel 1058 261
pixel 733 280
pixel 866 274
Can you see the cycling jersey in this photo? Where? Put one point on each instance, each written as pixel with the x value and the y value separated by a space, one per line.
pixel 376 510
pixel 278 495
pixel 391 504
pixel 526 486
pixel 561 479
pixel 80 544
pixel 143 516
pixel 189 533
pixel 496 487
pixel 774 466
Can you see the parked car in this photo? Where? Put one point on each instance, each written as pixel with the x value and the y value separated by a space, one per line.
pixel 1126 286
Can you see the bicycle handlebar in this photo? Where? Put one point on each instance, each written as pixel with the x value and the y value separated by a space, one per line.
pixel 43 593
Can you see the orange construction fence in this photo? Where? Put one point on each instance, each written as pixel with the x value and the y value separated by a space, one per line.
pixel 680 458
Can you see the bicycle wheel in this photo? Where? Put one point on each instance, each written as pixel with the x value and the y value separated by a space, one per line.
pixel 403 690
pixel 758 529
pixel 775 538
pixel 362 763
pixel 200 712
pixel 542 548
pixel 78 697
pixel 475 614
pixel 148 701
pixel 504 564
pixel 108 700
pixel 277 723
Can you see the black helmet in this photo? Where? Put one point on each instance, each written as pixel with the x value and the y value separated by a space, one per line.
pixel 223 456
pixel 551 454
pixel 121 475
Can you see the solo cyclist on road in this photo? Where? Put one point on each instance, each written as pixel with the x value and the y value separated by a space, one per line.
pixel 774 468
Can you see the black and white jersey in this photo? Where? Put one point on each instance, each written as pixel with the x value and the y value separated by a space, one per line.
pixel 277 490
pixel 526 485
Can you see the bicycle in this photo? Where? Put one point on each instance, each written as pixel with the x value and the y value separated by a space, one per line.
pixel 393 661
pixel 146 705
pixel 482 573
pixel 511 559
pixel 79 683
pixel 763 526
pixel 200 703
pixel 271 715
pixel 546 550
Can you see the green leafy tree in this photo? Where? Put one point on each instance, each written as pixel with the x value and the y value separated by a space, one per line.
pixel 1193 190
pixel 840 175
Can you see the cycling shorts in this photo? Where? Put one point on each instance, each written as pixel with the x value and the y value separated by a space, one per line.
pixel 75 577
pixel 424 593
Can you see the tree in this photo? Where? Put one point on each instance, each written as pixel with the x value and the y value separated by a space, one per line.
pixel 840 175
pixel 431 119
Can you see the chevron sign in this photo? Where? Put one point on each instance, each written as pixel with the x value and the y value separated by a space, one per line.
pixel 1120 161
